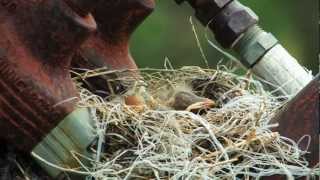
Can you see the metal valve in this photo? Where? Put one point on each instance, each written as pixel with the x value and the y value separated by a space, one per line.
pixel 235 26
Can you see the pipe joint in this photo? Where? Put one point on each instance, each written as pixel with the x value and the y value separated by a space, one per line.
pixel 73 136
pixel 253 45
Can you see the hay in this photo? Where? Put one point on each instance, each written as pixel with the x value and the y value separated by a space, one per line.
pixel 153 141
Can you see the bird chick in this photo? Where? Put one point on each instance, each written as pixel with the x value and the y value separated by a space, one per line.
pixel 185 100
pixel 135 102
pixel 140 99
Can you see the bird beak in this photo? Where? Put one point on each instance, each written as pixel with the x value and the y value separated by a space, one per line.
pixel 206 104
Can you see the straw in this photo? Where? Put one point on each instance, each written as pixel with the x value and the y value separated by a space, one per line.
pixel 231 140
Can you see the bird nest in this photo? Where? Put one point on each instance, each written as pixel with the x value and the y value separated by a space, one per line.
pixel 188 123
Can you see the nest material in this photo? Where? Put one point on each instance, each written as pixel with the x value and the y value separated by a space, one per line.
pixel 231 140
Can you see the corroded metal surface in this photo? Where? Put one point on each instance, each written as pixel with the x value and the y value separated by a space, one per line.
pixel 82 7
pixel 109 46
pixel 37 41
pixel 301 117
pixel 116 21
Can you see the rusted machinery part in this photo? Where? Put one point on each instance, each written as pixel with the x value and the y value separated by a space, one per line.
pixel 82 7
pixel 116 21
pixel 109 47
pixel 299 118
pixel 37 41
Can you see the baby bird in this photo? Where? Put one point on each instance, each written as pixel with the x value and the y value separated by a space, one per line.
pixel 140 99
pixel 187 100
pixel 179 98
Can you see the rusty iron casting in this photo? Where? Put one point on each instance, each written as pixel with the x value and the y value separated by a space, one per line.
pixel 38 39
pixel 301 117
pixel 109 46
pixel 82 7
pixel 116 21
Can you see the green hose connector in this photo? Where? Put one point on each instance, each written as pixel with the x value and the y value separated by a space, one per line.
pixel 73 135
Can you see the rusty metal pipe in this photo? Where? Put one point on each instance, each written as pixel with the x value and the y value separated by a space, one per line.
pixel 38 40
pixel 109 46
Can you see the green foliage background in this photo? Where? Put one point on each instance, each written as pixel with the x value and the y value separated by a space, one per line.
pixel 168 33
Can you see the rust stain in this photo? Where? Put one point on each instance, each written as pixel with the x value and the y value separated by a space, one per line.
pixel 116 20
pixel 301 117
pixel 38 40
pixel 109 46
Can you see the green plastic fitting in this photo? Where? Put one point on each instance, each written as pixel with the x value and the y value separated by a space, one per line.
pixel 73 135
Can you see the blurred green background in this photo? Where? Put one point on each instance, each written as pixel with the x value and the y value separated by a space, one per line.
pixel 168 33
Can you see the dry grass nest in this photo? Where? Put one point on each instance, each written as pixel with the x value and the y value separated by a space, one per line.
pixel 230 139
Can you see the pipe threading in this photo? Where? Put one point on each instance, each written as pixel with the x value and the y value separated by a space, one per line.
pixel 253 45
pixel 249 36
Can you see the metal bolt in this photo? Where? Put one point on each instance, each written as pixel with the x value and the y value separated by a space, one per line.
pixel 232 22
